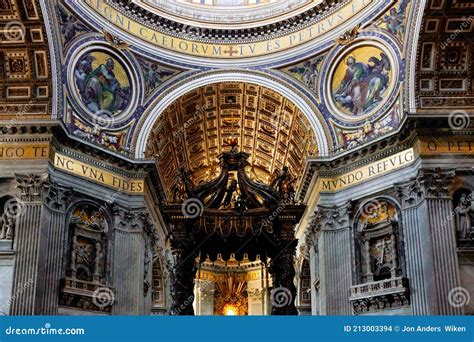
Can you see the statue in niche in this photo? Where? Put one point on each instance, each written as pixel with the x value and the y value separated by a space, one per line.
pixel 377 230
pixel 7 225
pixel 11 210
pixel 464 212
pixel 89 243
pixel 382 255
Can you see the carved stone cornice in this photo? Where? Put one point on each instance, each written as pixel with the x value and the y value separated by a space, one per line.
pixel 19 129
pixel 31 186
pixel 429 183
pixel 56 197
pixel 345 161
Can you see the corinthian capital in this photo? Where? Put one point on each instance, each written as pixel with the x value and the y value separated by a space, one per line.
pixel 56 197
pixel 332 217
pixel 437 181
pixel 432 183
pixel 31 186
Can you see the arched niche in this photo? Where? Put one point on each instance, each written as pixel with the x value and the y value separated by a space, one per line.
pixel 89 244
pixel 378 241
pixel 10 210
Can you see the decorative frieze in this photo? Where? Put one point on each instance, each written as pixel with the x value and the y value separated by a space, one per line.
pixel 367 172
pixel 98 175
pixel 18 151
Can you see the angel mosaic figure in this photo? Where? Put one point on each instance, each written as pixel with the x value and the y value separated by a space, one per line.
pixel 70 26
pixel 394 20
pixel 309 72
pixel 154 75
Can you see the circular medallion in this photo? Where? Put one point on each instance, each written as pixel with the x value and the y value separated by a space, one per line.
pixel 361 81
pixel 102 83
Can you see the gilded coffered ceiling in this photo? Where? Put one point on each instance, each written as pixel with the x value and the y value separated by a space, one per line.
pixel 445 57
pixel 193 131
pixel 25 75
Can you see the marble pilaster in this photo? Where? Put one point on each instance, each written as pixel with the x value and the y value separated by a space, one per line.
pixel 334 259
pixel 27 244
pixel 54 247
pixel 430 248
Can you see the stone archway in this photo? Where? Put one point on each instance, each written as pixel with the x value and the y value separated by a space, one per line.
pixel 300 100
